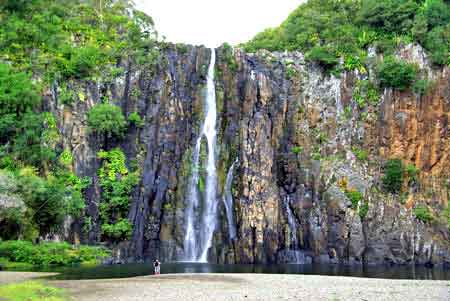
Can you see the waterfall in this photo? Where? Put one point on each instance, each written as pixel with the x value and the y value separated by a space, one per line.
pixel 190 241
pixel 292 229
pixel 196 245
pixel 228 201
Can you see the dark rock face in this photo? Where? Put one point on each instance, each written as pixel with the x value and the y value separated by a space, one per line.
pixel 293 130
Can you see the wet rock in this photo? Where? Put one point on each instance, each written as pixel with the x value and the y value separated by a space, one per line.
pixel 295 136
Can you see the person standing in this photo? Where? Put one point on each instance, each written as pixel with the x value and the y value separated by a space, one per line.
pixel 157 266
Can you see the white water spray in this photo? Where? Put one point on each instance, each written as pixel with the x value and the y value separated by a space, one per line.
pixel 292 229
pixel 196 245
pixel 228 201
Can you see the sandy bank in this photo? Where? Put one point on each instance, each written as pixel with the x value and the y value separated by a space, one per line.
pixel 217 287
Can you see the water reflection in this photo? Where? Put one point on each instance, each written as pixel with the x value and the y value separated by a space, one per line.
pixel 142 269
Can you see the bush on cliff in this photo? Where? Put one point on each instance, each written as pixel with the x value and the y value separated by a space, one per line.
pixel 323 56
pixel 107 119
pixel 423 214
pixel 396 73
pixel 393 175
pixel 117 183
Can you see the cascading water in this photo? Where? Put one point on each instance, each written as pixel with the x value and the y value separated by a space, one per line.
pixel 196 245
pixel 190 240
pixel 292 229
pixel 228 201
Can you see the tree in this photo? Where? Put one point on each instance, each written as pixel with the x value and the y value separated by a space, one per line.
pixel 17 93
pixel 436 12
pixel 107 120
pixel 49 200
pixel 387 15
pixel 45 199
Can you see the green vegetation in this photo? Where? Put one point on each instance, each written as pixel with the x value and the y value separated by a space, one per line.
pixel 49 253
pixel 360 154
pixel 327 29
pixel 291 72
pixel 117 184
pixel 324 56
pixel 354 196
pixel 57 45
pixel 446 215
pixel 297 149
pixel 412 172
pixel 47 200
pixel 136 120
pixel 423 214
pixel 363 210
pixel 31 291
pixel 107 120
pixel 421 86
pixel 365 93
pixel 61 40
pixel 228 57
pixel 396 73
pixel 393 175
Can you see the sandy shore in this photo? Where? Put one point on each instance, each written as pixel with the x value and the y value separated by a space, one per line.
pixel 217 287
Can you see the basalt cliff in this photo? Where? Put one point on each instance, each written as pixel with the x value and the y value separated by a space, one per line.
pixel 294 146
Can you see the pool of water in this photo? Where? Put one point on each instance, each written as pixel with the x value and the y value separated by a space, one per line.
pixel 143 269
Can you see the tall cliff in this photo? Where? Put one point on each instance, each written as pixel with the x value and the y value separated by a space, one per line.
pixel 304 147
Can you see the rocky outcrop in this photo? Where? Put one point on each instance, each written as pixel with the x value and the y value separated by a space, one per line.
pixel 295 132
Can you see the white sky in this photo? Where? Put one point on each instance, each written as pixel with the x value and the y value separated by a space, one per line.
pixel 212 22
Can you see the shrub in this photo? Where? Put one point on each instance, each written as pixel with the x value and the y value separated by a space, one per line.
pixel 421 86
pixel 412 171
pixel 291 72
pixel 423 214
pixel 83 62
pixel 296 149
pixel 323 56
pixel 354 196
pixel 12 222
pixel 120 230
pixel 66 158
pixel 50 253
pixel 135 119
pixel 360 154
pixel 446 215
pixel 436 41
pixel 396 73
pixel 393 175
pixel 117 184
pixel 363 210
pixel 107 119
pixel 228 57
pixel 366 91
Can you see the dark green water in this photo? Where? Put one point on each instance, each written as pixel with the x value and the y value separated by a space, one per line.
pixel 142 269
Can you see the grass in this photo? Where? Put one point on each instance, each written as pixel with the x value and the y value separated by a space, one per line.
pixel 31 291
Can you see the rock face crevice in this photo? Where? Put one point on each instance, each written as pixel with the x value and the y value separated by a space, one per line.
pixel 293 131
